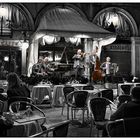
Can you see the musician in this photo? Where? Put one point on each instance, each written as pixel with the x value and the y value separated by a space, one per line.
pixel 107 68
pixel 97 73
pixel 78 63
pixel 92 61
pixel 47 67
pixel 38 68
pixel 47 70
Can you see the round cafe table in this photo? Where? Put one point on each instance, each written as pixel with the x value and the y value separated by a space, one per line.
pixel 58 95
pixel 40 92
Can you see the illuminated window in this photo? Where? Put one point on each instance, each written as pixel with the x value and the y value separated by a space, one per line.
pixel 115 20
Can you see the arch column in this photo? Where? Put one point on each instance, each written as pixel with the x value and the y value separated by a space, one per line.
pixel 25 45
pixel 135 56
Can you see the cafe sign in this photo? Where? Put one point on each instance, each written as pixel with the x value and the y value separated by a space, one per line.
pixel 12 43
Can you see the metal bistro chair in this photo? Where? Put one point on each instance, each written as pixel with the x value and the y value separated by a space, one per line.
pixel 97 107
pixel 30 111
pixel 66 91
pixel 19 98
pixel 1 90
pixel 88 87
pixel 77 100
pixel 1 107
pixel 126 89
pixel 123 98
pixel 58 130
pixel 108 93
pixel 128 127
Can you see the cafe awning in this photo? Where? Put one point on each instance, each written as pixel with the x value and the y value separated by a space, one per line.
pixel 68 23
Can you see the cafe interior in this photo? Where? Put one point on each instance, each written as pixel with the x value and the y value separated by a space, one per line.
pixel 69 69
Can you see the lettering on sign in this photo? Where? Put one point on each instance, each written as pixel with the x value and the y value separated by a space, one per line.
pixel 13 43
pixel 118 47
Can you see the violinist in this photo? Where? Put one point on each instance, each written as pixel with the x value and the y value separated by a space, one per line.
pixel 78 63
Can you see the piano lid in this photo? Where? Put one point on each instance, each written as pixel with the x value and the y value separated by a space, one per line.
pixel 67 55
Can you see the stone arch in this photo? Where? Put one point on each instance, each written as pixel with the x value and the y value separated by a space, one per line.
pixel 27 14
pixel 69 6
pixel 124 14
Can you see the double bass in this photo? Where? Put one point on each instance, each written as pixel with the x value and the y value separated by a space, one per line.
pixel 97 74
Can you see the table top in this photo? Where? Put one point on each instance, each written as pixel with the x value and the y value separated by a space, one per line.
pixel 29 119
pixel 38 86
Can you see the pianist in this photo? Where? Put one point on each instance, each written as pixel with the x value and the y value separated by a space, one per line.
pixel 78 64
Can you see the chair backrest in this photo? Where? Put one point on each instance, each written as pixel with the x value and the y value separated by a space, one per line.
pixel 1 107
pixel 61 130
pixel 128 127
pixel 1 90
pixel 126 89
pixel 124 98
pixel 88 87
pixel 137 85
pixel 132 127
pixel 108 93
pixel 79 98
pixel 98 108
pixel 67 90
pixel 19 98
pixel 115 128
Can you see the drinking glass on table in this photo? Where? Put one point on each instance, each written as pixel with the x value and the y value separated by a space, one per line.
pixel 28 111
pixel 17 107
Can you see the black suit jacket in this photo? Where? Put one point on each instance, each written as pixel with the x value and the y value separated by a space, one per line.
pixel 127 110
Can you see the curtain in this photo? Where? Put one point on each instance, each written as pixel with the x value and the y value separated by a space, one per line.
pixel 33 55
pixel 120 24
pixel 73 40
pixel 102 42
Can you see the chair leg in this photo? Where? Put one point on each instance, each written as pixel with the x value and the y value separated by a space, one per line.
pixel 91 127
pixel 62 108
pixel 71 113
pixel 67 112
pixel 97 133
pixel 74 114
pixel 87 114
pixel 83 116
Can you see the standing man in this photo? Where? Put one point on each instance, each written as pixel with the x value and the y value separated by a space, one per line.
pixel 92 61
pixel 78 64
pixel 107 68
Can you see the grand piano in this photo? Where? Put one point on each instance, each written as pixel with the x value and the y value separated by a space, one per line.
pixel 63 68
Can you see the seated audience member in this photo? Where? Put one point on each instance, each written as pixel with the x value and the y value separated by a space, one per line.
pixel 4 125
pixel 127 110
pixel 16 87
pixel 130 109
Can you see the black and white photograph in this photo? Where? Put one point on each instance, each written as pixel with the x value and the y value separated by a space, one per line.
pixel 69 69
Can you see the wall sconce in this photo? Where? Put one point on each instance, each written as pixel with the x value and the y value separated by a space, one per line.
pixel 6 58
